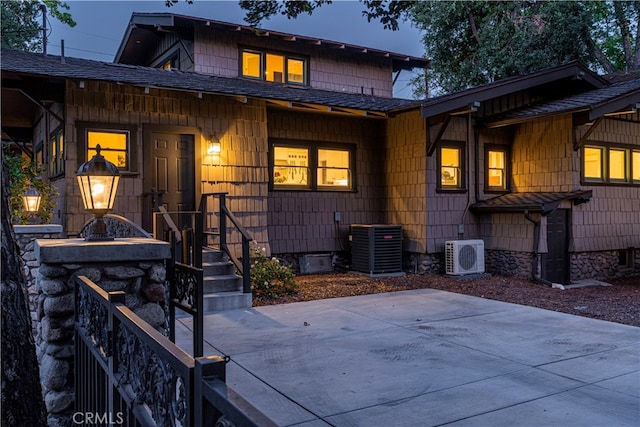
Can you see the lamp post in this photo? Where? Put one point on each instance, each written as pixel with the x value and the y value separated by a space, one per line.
pixel 98 180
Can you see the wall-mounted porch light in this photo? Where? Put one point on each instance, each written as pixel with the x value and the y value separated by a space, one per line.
pixel 214 146
pixel 98 180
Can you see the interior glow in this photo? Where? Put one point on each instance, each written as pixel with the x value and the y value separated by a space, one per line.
pixel 295 71
pixel 251 64
pixel 618 165
pixel 496 168
pixel 274 71
pixel 636 166
pixel 593 163
pixel 113 144
pixel 333 168
pixel 450 167
pixel 291 166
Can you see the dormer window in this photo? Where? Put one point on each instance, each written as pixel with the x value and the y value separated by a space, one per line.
pixel 273 67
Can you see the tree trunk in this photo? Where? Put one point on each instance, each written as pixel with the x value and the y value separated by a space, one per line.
pixel 22 402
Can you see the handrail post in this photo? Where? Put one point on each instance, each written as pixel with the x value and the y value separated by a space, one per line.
pixel 246 267
pixel 223 223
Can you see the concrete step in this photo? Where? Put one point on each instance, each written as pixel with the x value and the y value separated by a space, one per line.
pixel 221 283
pixel 217 268
pixel 220 301
pixel 210 255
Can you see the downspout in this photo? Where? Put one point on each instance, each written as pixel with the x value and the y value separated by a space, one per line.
pixel 536 245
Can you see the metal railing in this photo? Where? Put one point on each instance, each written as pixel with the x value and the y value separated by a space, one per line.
pixel 134 375
pixel 220 231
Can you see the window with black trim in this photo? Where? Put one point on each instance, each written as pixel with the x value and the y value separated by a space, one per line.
pixel 611 164
pixel 496 168
pixel 273 67
pixel 56 154
pixel 451 166
pixel 115 143
pixel 312 166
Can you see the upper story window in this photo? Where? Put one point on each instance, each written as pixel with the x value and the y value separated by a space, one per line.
pixel 611 164
pixel 312 166
pixel 497 161
pixel 451 166
pixel 274 67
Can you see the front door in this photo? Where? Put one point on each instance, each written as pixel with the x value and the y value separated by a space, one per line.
pixel 169 174
pixel 556 261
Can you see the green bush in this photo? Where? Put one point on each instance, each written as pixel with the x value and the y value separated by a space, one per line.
pixel 23 173
pixel 269 278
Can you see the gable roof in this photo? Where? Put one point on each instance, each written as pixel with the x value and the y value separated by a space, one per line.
pixel 624 95
pixel 32 64
pixel 460 101
pixel 140 36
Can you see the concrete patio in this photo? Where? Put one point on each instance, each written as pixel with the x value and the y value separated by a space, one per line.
pixel 427 358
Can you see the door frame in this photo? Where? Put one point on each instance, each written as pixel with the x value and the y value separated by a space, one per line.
pixel 147 151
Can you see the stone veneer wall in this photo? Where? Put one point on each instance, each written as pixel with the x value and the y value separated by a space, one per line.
pixel 508 263
pixel 601 265
pixel 423 263
pixel 25 237
pixel 135 266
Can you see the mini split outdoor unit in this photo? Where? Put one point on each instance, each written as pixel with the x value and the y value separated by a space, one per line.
pixel 464 256
pixel 376 249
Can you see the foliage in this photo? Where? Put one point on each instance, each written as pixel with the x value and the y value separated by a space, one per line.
pixel 270 278
pixel 487 41
pixel 494 40
pixel 21 22
pixel 23 173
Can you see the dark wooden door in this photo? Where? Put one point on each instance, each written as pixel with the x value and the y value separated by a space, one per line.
pixel 556 261
pixel 170 170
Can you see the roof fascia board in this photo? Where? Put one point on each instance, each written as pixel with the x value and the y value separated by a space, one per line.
pixel 494 90
pixel 618 103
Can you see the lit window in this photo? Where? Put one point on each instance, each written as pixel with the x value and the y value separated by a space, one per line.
pixel 56 154
pixel 114 146
pixel 295 71
pixel 636 166
pixel 299 165
pixel 274 71
pixel 251 64
pixel 291 167
pixel 496 169
pixel 333 168
pixel 450 167
pixel 273 67
pixel 618 165
pixel 593 157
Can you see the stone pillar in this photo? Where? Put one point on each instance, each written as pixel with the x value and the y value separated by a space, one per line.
pixel 26 236
pixel 136 266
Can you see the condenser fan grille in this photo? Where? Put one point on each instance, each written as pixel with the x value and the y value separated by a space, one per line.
pixel 467 257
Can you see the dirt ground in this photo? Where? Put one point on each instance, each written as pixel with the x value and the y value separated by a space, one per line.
pixel 618 303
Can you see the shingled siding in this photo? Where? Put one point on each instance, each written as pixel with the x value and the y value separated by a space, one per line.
pixel 303 221
pixel 406 179
pixel 219 55
pixel 445 210
pixel 611 220
pixel 241 128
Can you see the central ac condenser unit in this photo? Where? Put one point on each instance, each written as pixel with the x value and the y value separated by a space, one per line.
pixel 464 256
pixel 376 249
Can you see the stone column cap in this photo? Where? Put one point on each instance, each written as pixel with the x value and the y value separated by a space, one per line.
pixel 65 251
pixel 37 229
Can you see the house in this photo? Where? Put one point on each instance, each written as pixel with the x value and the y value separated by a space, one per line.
pixel 305 137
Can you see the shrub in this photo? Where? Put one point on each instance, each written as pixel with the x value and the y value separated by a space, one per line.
pixel 269 278
pixel 22 174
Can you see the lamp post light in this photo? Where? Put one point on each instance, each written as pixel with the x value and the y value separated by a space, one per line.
pixel 98 180
pixel 31 199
